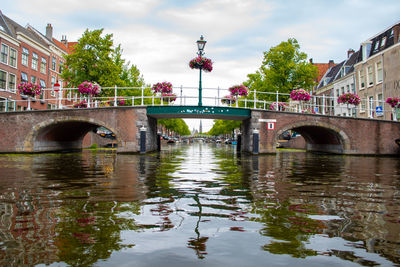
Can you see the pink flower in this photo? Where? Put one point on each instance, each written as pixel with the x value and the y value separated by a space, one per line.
pixel 164 87
pixel 349 98
pixel 239 90
pixel 300 94
pixel 201 63
pixel 89 88
pixel 29 89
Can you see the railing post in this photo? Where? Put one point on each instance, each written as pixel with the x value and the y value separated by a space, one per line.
pixel 237 101
pixel 264 104
pixel 181 94
pixel 255 98
pixel 323 104
pixel 277 101
pixel 6 105
pixel 142 95
pixel 133 100
pixel 245 102
pixel 115 96
pixel 152 100
pixel 219 101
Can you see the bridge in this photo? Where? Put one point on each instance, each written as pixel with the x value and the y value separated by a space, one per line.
pixel 135 128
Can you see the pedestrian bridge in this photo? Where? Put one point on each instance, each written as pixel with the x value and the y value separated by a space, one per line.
pixel 136 131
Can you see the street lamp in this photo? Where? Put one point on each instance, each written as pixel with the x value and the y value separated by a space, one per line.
pixel 200 45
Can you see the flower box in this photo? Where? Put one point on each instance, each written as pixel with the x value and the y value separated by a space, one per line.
pixel 349 98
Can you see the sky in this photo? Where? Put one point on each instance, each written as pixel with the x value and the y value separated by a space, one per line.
pixel 159 36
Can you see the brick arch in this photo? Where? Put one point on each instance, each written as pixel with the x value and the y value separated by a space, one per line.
pixel 62 133
pixel 319 136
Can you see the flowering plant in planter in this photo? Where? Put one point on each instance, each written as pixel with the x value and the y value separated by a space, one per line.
pixel 300 94
pixel 239 90
pixel 89 88
pixel 394 102
pixel 169 97
pixel 29 89
pixel 82 104
pixel 349 98
pixel 164 87
pixel 228 99
pixel 281 106
pixel 201 63
pixel 120 102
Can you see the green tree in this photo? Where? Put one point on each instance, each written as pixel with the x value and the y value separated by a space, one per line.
pixel 284 68
pixel 94 59
pixel 179 126
pixel 224 127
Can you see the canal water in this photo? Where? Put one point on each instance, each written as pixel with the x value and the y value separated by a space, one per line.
pixel 199 205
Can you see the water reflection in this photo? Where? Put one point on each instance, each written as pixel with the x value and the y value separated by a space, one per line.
pixel 198 204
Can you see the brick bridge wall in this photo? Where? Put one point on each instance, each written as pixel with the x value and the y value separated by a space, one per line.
pixel 341 135
pixel 52 130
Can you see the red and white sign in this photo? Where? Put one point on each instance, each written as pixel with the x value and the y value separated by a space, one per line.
pixel 270 125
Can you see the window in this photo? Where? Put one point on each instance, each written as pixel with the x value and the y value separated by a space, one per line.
pixel 43 65
pixel 33 79
pixel 370 76
pixel 371 106
pixel 380 103
pixel 25 56
pixel 353 89
pixel 383 41
pixel 363 105
pixel 13 57
pixel 337 92
pixel 35 60
pixel 379 72
pixel 347 88
pixel 12 82
pixel 342 90
pixel 53 63
pixel 60 66
pixel 24 77
pixel 3 80
pixel 4 53
pixel 376 47
pixel 362 79
pixel 42 84
pixel 53 81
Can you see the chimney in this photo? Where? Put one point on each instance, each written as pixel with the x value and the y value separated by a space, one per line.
pixel 49 31
pixel 311 61
pixel 350 52
pixel 64 39
pixel 331 63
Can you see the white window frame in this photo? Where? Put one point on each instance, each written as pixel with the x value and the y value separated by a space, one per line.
pixel 370 106
pixel 53 81
pixel 12 60
pixel 379 71
pixel 4 53
pixel 53 63
pixel 43 67
pixel 5 81
pixel 25 56
pixel 27 78
pixel 12 88
pixel 35 61
pixel 361 76
pixel 370 80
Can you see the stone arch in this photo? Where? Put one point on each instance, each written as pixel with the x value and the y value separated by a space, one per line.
pixel 319 136
pixel 62 133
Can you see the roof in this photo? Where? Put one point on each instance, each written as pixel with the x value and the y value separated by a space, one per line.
pixel 14 28
pixel 322 69
pixel 330 75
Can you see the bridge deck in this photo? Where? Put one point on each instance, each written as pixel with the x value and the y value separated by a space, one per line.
pixel 204 112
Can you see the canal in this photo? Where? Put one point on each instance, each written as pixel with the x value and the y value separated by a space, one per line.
pixel 199 205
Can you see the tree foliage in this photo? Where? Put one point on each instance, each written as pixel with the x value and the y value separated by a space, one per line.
pixel 96 59
pixel 284 68
pixel 179 126
pixel 224 127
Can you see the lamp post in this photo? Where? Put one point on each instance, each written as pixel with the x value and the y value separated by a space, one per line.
pixel 200 45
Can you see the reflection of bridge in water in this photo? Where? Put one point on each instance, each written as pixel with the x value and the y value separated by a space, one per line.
pixel 136 131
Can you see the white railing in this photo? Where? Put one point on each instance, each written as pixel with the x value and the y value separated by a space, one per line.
pixel 188 96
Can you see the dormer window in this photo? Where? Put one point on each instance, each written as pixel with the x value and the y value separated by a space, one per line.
pixel 383 41
pixel 376 47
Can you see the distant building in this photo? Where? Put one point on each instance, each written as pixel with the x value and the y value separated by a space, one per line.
pixel 378 73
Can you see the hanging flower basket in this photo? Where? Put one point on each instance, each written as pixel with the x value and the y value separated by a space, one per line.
pixel 239 90
pixel 29 89
pixel 169 97
pixel 201 63
pixel 349 98
pixel 82 104
pixel 300 95
pixel 281 106
pixel 164 88
pixel 89 89
pixel 394 102
pixel 228 99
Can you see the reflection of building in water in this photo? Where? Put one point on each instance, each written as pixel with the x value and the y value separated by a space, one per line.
pixel 363 192
pixel 27 228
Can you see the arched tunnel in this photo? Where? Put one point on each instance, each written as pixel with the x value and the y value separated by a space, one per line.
pixel 321 139
pixel 62 136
